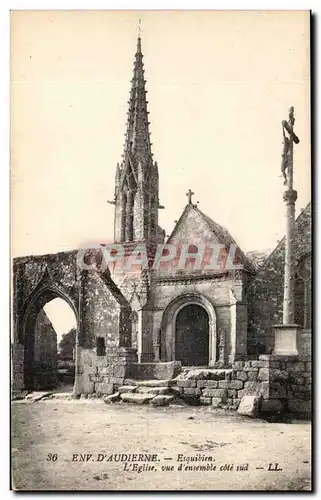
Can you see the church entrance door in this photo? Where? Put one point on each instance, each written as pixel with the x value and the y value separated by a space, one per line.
pixel 192 336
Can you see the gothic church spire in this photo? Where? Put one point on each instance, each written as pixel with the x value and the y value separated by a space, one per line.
pixel 137 143
pixel 136 182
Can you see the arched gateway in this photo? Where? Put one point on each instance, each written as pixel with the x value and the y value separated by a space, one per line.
pixel 36 374
pixel 103 338
pixel 188 332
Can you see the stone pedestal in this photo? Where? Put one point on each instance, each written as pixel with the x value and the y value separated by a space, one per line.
pixel 286 340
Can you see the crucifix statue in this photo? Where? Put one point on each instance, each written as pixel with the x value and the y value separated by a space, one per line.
pixel 189 194
pixel 287 155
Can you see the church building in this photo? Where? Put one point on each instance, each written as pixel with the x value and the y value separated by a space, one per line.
pixel 177 311
pixel 199 317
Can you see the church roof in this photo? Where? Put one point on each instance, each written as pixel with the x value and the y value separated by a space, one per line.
pixel 220 233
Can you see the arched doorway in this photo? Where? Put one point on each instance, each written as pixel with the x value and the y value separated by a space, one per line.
pixel 168 327
pixel 41 339
pixel 192 336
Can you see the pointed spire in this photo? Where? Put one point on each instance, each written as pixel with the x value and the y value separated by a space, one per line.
pixel 136 192
pixel 137 143
pixel 139 45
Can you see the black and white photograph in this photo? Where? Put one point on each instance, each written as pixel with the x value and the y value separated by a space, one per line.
pixel 161 239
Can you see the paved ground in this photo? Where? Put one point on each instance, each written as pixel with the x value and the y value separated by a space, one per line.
pixel 65 428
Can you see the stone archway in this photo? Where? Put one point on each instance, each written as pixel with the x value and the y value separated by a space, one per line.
pixel 169 323
pixel 32 372
pixel 102 313
pixel 192 335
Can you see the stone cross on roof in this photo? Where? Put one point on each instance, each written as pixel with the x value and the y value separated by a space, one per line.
pixel 190 194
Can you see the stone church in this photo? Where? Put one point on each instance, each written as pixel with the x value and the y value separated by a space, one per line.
pixel 193 316
pixel 198 317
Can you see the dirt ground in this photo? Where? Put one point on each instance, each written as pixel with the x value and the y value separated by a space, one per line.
pixel 174 435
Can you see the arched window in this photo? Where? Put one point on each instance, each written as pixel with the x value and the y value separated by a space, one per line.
pixel 303 292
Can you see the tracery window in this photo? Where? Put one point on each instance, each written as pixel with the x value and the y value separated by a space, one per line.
pixel 303 292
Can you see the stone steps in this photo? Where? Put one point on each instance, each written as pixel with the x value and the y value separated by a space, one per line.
pixel 156 392
pixel 140 399
pixel 187 387
pixel 149 383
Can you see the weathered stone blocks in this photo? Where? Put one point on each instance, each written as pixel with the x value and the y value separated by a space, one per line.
pixel 242 375
pixel 272 405
pixel 224 384
pixel 136 398
pixel 205 400
pixel 295 367
pixel 186 383
pixel 211 384
pixel 192 391
pixel 300 406
pixel 215 393
pixel 216 402
pixel 252 375
pixel 161 400
pixel 127 388
pixel 113 398
pixel 236 384
pixel 104 387
pixel 153 390
pixel 264 374
pixel 250 405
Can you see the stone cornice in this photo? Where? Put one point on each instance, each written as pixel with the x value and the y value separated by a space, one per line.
pixel 191 278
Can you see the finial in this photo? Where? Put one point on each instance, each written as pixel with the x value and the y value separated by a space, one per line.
pixel 139 47
pixel 189 194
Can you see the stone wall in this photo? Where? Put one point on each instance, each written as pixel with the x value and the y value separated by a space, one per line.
pixel 102 375
pixel 265 291
pixel 45 353
pixel 283 382
pixel 103 356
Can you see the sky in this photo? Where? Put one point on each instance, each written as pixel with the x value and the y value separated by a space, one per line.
pixel 219 84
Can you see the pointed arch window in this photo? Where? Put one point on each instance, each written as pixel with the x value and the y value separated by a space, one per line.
pixel 302 298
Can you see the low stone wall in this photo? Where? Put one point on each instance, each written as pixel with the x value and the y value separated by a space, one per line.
pixel 102 375
pixel 283 382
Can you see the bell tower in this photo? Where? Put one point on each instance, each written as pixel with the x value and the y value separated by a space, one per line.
pixel 136 180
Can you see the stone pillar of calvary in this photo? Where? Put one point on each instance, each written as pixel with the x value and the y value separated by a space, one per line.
pixel 289 196
pixel 286 334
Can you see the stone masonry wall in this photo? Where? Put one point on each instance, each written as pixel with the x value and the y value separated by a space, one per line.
pixel 45 354
pixel 107 321
pixel 283 382
pixel 102 375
